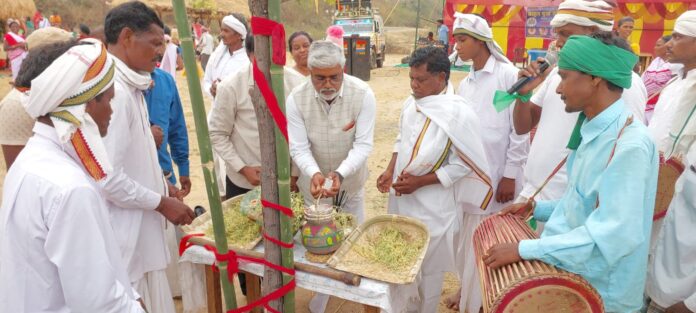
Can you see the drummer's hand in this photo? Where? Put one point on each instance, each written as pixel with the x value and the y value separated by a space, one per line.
pixel 506 190
pixel 502 254
pixel 520 209
pixel 678 308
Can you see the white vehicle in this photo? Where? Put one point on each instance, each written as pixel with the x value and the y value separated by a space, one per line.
pixel 358 18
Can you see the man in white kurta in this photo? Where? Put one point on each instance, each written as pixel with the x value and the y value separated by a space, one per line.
pixel 58 250
pixel 331 121
pixel 439 144
pixel 506 151
pixel 229 56
pixel 131 149
pixel 554 125
pixel 672 125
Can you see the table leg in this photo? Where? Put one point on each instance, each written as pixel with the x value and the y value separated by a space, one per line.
pixel 253 284
pixel 213 292
pixel 370 309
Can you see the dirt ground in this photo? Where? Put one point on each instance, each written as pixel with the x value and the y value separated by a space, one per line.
pixel 391 87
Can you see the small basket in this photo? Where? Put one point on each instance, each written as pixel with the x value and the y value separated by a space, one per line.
pixel 346 259
pixel 203 222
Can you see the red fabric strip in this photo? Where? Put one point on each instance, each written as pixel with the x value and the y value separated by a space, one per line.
pixel 285 210
pixel 185 244
pixel 271 101
pixel 278 242
pixel 266 27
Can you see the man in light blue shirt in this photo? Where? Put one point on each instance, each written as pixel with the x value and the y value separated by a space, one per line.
pixel 600 228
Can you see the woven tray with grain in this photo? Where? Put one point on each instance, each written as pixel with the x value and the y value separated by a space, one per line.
pixel 346 259
pixel 203 222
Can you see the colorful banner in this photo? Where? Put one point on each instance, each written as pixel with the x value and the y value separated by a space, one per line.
pixel 509 20
pixel 538 23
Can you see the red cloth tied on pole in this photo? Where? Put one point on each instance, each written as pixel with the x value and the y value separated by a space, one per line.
pixel 266 27
pixel 271 101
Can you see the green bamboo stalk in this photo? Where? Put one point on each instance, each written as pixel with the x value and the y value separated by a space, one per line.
pixel 283 168
pixel 204 146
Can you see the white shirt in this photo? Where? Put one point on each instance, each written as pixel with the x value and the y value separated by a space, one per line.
pixel 222 64
pixel 506 151
pixel 553 132
pixel 362 146
pixel 661 121
pixel 131 149
pixel 206 43
pixel 58 250
pixel 672 271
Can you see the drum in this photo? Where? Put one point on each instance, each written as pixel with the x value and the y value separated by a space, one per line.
pixel 667 176
pixel 527 286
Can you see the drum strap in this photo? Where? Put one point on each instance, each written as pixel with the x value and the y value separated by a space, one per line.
pixel 629 120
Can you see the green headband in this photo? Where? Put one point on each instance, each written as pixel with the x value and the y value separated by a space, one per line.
pixel 593 57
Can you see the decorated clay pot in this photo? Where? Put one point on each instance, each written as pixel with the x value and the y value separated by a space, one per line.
pixel 319 234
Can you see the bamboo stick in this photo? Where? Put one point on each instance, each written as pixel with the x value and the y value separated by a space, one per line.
pixel 204 147
pixel 275 174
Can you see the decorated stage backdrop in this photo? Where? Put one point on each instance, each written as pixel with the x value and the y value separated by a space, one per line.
pixel 509 19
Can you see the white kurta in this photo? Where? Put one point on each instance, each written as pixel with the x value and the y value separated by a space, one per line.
pixel 221 64
pixel 292 78
pixel 434 205
pixel 665 107
pixel 58 250
pixel 672 271
pixel 553 131
pixel 506 151
pixel 131 148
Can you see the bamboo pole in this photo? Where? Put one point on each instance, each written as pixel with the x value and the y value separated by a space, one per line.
pixel 275 174
pixel 415 42
pixel 206 151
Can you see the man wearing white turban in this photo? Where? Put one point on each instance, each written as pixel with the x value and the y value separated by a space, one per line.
pixel 546 109
pixel 59 252
pixel 505 150
pixel 229 57
pixel 671 274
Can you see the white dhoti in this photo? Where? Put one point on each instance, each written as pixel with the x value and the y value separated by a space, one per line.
pixel 354 205
pixel 173 266
pixel 465 262
pixel 155 293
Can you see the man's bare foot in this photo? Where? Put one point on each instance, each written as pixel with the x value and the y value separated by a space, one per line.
pixel 452 301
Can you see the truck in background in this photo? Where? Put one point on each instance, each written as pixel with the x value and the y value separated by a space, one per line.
pixel 357 17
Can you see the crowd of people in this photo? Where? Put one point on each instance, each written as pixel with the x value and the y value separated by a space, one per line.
pixel 94 126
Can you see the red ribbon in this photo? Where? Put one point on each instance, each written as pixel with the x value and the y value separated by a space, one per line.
pixel 271 101
pixel 266 27
pixel 285 210
pixel 278 242
pixel 232 260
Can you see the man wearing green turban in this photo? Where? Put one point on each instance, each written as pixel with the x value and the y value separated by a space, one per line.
pixel 600 228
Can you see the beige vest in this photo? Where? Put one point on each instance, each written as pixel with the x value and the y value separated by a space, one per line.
pixel 329 141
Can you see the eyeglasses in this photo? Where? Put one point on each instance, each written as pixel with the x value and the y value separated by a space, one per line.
pixel 333 79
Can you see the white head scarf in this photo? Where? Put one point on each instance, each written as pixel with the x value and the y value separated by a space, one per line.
pixel 585 13
pixel 62 91
pixel 232 22
pixel 686 24
pixel 475 26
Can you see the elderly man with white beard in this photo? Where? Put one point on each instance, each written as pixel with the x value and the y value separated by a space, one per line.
pixel 331 120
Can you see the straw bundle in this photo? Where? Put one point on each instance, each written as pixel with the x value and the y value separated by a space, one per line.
pixel 527 285
pixel 16 9
pixel 242 232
